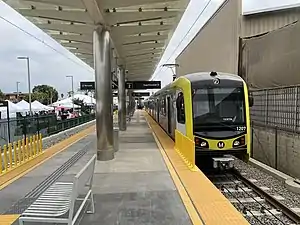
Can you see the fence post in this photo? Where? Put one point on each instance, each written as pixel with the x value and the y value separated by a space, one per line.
pixel 267 107
pixel 24 128
pixel 296 108
pixel 276 148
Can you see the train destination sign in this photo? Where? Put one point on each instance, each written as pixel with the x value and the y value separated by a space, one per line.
pixel 140 94
pixel 87 85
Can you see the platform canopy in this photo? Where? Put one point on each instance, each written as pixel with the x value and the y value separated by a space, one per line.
pixel 140 29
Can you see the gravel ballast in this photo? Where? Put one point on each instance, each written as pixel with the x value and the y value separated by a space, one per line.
pixel 276 186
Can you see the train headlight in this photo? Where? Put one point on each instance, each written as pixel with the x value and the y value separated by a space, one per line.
pixel 236 143
pixel 201 143
pixel 239 142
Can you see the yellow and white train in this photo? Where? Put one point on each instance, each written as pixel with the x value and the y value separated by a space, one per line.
pixel 210 108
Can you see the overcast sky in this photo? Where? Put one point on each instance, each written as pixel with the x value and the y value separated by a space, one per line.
pixel 49 66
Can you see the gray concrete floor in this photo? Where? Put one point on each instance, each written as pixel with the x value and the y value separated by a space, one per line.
pixel 10 195
pixel 136 188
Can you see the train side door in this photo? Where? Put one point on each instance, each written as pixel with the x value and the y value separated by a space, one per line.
pixel 169 106
pixel 180 112
pixel 157 110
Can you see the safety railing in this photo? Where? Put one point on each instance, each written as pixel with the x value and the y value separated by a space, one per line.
pixel 186 149
pixel 15 154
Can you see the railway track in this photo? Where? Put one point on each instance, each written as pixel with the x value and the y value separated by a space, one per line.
pixel 254 202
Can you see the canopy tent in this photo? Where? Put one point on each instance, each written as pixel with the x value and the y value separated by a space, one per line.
pixel 86 99
pixel 13 109
pixel 67 106
pixel 65 103
pixel 40 106
pixel 26 106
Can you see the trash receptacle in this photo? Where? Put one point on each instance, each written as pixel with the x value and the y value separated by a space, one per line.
pixel 116 139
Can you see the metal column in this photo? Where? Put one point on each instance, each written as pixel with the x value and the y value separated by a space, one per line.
pixel 104 120
pixel 122 100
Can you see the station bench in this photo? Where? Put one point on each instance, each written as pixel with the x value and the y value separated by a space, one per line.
pixel 57 203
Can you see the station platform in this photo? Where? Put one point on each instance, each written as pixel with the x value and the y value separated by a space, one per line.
pixel 147 183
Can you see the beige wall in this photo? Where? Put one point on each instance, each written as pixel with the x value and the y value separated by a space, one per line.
pixel 215 47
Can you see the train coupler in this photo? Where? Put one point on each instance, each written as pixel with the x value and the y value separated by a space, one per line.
pixel 223 163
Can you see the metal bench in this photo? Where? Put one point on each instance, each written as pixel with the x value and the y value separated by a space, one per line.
pixel 57 203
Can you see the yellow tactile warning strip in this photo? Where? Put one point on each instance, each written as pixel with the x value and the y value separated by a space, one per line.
pixel 212 207
pixel 196 220
pixel 8 219
pixel 20 171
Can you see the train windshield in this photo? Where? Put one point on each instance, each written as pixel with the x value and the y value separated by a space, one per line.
pixel 219 107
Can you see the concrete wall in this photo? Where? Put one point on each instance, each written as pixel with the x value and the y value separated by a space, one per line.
pixel 215 47
pixel 288 151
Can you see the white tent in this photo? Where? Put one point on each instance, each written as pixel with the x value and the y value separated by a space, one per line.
pixel 23 104
pixel 67 101
pixel 26 107
pixel 85 98
pixel 36 104
pixel 13 109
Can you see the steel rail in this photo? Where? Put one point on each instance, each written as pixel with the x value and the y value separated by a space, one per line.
pixel 271 200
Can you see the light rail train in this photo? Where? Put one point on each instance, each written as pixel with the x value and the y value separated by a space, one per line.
pixel 210 108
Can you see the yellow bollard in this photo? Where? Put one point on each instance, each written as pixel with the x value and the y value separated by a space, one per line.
pixel 0 160
pixel 15 154
pixel 41 143
pixel 10 155
pixel 28 148
pixel 5 157
pixel 33 145
pixel 19 152
pixel 23 149
pixel 36 143
pixel 24 146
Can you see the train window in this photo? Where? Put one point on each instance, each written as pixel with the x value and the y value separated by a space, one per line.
pixel 180 108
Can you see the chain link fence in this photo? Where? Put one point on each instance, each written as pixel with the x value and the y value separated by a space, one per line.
pixel 18 128
pixel 276 128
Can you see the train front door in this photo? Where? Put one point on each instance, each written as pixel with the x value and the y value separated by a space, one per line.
pixel 169 106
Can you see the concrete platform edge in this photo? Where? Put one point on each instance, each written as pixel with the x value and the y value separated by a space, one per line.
pixel 269 170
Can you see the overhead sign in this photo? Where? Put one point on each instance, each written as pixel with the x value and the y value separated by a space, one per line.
pixel 3 103
pixel 143 85
pixel 133 85
pixel 87 85
pixel 140 94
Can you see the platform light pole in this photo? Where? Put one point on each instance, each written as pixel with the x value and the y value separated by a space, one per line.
pixel 18 82
pixel 28 77
pixel 72 80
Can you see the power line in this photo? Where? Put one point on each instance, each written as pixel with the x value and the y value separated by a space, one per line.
pixel 42 41
pixel 198 17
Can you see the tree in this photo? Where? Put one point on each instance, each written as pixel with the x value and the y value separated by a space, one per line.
pixel 2 96
pixel 45 94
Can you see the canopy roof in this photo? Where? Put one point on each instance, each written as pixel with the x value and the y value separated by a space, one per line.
pixel 140 29
pixel 37 104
